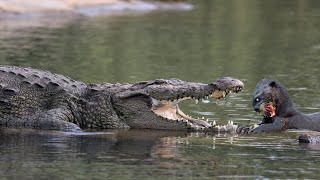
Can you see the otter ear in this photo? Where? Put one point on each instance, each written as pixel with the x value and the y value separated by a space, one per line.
pixel 273 84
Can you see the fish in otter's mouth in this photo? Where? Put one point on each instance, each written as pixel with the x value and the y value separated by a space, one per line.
pixel 267 109
pixel 169 109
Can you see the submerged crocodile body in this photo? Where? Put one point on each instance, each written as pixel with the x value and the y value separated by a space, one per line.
pixel 40 99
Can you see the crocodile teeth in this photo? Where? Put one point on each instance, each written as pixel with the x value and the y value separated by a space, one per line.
pixel 196 101
pixel 206 100
pixel 214 123
pixel 224 94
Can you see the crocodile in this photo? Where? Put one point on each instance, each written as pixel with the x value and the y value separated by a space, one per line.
pixel 39 99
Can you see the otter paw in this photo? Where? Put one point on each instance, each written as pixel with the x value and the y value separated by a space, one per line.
pixel 256 130
pixel 242 130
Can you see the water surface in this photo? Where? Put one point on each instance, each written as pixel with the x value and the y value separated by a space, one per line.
pixel 248 40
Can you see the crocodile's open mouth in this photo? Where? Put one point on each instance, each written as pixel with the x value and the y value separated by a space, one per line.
pixel 170 109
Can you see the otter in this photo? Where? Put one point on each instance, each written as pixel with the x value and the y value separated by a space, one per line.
pixel 272 101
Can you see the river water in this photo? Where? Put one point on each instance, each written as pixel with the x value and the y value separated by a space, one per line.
pixel 248 40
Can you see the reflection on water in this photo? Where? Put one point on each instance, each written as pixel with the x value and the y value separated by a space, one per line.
pixel 248 40
pixel 159 154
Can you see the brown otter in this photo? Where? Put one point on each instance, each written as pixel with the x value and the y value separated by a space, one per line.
pixel 271 99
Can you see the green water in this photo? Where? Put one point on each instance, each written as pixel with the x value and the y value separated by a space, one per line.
pixel 248 40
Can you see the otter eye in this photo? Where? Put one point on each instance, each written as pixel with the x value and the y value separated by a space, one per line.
pixel 257 99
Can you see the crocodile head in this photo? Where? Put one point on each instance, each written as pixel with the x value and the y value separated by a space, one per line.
pixel 154 104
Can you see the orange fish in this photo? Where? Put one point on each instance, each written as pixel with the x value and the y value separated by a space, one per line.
pixel 271 109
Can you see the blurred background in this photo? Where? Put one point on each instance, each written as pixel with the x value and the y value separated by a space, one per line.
pixel 193 41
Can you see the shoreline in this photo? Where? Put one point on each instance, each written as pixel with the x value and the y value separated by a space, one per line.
pixel 86 7
pixel 38 15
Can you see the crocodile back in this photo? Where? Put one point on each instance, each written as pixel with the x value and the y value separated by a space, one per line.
pixel 13 77
pixel 24 91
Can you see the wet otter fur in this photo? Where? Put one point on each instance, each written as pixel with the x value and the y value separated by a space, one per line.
pixel 271 99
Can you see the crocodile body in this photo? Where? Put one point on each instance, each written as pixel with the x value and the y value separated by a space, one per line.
pixel 32 98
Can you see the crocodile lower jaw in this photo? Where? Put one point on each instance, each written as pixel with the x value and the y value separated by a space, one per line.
pixel 170 110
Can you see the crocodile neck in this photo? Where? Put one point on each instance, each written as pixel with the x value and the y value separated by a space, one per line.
pixel 96 109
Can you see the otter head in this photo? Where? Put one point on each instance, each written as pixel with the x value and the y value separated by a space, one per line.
pixel 270 98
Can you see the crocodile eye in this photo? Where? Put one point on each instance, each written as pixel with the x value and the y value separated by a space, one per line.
pixel 257 99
